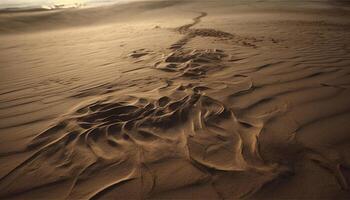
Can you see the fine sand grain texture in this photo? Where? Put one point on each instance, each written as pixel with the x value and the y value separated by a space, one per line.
pixel 176 100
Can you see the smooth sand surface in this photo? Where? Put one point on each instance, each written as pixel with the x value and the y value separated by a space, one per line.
pixel 176 100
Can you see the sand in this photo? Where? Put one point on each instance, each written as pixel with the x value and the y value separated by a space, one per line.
pixel 176 100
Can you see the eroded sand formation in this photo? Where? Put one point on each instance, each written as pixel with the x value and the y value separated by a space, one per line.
pixel 213 115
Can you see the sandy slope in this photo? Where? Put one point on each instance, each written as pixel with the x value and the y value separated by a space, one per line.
pixel 176 100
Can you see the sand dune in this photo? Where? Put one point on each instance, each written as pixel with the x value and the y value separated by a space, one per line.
pixel 176 100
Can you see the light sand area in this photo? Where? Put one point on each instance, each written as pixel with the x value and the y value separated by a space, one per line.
pixel 176 100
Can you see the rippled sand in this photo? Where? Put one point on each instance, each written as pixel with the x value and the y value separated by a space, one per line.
pixel 176 100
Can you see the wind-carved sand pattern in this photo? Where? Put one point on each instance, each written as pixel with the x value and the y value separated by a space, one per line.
pixel 140 55
pixel 196 63
pixel 193 63
pixel 236 134
pixel 114 144
pixel 184 140
pixel 191 33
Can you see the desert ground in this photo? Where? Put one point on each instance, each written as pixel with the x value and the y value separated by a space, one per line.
pixel 216 99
